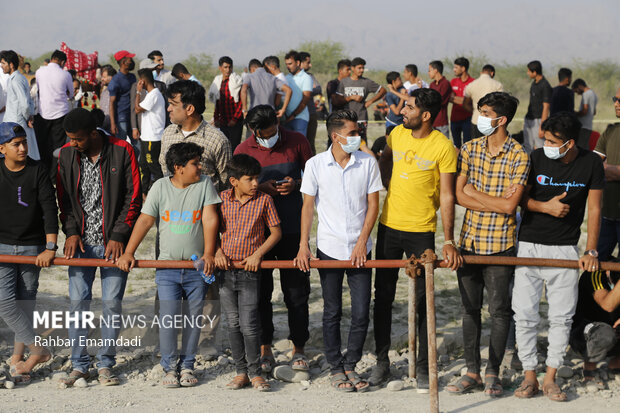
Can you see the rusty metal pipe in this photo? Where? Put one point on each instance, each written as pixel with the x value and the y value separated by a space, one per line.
pixel 429 258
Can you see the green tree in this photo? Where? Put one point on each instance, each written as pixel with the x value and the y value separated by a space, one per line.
pixel 202 66
pixel 325 55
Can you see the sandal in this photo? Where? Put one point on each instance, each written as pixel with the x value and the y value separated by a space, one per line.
pixel 463 384
pixel 553 392
pixel 171 380
pixel 73 376
pixel 239 382
pixel 493 386
pixel 299 362
pixel 187 378
pixel 339 381
pixel 260 384
pixel 591 376
pixel 267 363
pixel 107 378
pixel 19 378
pixel 527 389
pixel 355 380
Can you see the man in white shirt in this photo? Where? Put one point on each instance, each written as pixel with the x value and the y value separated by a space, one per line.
pixel 159 73
pixel 586 112
pixel 344 183
pixel 55 87
pixel 412 81
pixel 152 111
pixel 475 91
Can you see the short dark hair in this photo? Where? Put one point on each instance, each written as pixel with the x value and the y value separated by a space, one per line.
pixel 428 100
pixel 358 61
pixel 392 76
pixel 99 117
pixel 146 74
pixel 261 117
pixel 579 83
pixel 488 68
pixel 254 63
pixel 535 66
pixel 272 61
pixel 293 54
pixel 191 93
pixel 565 124
pixel 154 53
pixel 564 73
pixel 504 104
pixel 463 62
pixel 26 63
pixel 109 69
pixel 179 69
pixel 242 165
pixel 60 56
pixel 335 121
pixel 79 119
pixel 10 57
pixel 411 68
pixel 343 63
pixel 181 153
pixel 225 59
pixel 437 65
pixel 303 56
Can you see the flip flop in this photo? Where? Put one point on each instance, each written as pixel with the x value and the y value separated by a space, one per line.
pixel 463 384
pixel 73 376
pixel 527 389
pixel 239 382
pixel 553 392
pixel 299 358
pixel 19 378
pixel 267 363
pixel 107 378
pixel 260 384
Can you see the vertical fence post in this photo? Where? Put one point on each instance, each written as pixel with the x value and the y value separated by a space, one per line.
pixel 428 259
pixel 412 270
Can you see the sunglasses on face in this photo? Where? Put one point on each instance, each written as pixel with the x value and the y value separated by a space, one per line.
pixel 615 99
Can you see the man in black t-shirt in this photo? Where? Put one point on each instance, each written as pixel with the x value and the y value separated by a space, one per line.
pixel 538 109
pixel 596 324
pixel 562 96
pixel 563 178
pixel 344 70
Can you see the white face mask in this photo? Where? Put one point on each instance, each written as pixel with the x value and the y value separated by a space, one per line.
pixel 553 152
pixel 268 143
pixel 353 143
pixel 484 125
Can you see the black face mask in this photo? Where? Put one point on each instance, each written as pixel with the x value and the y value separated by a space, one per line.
pixel 132 65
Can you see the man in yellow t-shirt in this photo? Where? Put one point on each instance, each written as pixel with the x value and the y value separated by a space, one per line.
pixel 417 166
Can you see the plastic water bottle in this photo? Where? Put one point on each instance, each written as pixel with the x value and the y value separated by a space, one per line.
pixel 199 265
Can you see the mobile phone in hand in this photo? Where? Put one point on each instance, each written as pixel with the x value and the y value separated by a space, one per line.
pixel 283 181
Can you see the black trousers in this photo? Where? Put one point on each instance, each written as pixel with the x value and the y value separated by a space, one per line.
pixel 51 135
pixel 296 289
pixel 391 245
pixel 150 169
pixel 497 279
pixel 233 133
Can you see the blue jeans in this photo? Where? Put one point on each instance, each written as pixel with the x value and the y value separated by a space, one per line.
pixel 458 128
pixel 81 280
pixel 608 239
pixel 359 280
pixel 181 292
pixel 297 125
pixel 18 291
pixel 239 297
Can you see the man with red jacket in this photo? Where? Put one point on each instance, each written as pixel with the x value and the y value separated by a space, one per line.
pixel 99 195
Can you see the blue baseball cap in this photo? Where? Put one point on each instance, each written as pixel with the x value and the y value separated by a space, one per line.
pixel 10 130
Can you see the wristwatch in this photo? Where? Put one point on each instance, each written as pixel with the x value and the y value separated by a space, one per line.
pixel 592 253
pixel 51 246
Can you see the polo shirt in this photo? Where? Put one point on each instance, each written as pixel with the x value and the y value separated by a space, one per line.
pixel 445 89
pixel 287 157
pixel 55 87
pixel 479 88
pixel 459 113
pixel 120 86
pixel 299 83
pixel 262 87
pixel 341 199
pixel 540 92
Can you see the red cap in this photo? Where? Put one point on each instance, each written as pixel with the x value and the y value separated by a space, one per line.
pixel 121 54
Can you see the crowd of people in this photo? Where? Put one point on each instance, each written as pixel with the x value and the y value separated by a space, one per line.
pixel 149 158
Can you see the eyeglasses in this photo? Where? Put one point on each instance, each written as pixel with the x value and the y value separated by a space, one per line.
pixel 615 99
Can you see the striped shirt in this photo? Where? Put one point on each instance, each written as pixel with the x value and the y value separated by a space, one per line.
pixel 487 232
pixel 242 226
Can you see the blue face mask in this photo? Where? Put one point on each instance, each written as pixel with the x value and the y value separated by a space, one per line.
pixel 484 125
pixel 353 143
pixel 553 152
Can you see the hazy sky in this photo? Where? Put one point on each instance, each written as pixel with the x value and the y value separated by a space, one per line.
pixel 388 34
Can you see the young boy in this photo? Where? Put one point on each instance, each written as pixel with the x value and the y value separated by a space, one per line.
pixel 185 204
pixel 395 102
pixel 245 212
pixel 28 226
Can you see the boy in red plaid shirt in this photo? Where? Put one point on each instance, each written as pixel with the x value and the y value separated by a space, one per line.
pixel 244 214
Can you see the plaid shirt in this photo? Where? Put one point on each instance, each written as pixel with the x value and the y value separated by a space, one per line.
pixel 216 152
pixel 242 226
pixel 488 233
pixel 226 109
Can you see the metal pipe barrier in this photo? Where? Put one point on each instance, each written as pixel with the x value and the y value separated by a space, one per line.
pixel 414 267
